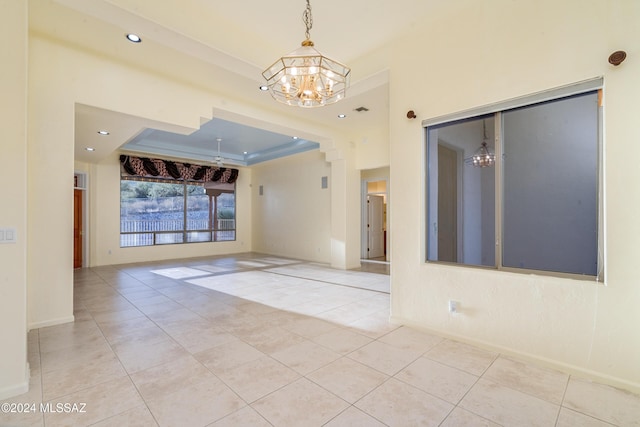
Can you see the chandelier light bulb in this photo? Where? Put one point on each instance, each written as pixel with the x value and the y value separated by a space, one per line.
pixel 305 77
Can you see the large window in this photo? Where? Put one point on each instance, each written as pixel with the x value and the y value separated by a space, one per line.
pixel 535 205
pixel 157 212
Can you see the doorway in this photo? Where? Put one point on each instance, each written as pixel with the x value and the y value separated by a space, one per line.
pixel 374 247
pixel 77 228
pixel 79 223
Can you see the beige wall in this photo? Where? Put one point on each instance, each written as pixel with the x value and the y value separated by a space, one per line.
pixel 373 147
pixel 293 216
pixel 493 51
pixel 14 373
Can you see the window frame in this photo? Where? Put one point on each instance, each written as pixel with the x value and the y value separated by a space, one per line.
pixel 496 109
pixel 212 228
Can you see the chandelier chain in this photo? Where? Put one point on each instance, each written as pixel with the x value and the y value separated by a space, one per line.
pixel 307 19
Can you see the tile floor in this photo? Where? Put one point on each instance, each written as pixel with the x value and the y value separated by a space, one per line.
pixel 257 340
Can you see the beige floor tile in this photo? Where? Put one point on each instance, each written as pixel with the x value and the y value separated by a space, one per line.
pixel 257 309
pixel 23 419
pixel 105 304
pixel 246 416
pixel 374 326
pixel 354 417
pixel 310 327
pixel 461 418
pixel 439 380
pixel 348 379
pixel 569 418
pixel 342 341
pixel 139 355
pixel 70 335
pixel 82 315
pixel 228 356
pixel 301 403
pixel 137 417
pixel 139 294
pixel 462 356
pixel 509 407
pixel 138 328
pixel 75 356
pixel 199 339
pixel 411 339
pixel 543 383
pixel 164 306
pixel 162 380
pixel 280 318
pixel 258 378
pixel 305 357
pixel 271 340
pixel 166 319
pixel 340 315
pixel 603 402
pixel 384 357
pixel 398 404
pixel 118 316
pixel 69 380
pixel 233 318
pixel 23 410
pixel 197 404
pixel 102 401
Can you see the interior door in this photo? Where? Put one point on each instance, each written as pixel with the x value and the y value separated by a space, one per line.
pixel 77 228
pixel 447 204
pixel 375 229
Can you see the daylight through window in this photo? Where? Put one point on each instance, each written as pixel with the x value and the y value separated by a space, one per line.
pixel 158 212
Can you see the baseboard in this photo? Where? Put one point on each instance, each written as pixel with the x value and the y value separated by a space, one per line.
pixel 574 370
pixel 17 389
pixel 52 322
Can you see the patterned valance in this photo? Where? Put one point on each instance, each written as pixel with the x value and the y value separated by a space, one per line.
pixel 158 168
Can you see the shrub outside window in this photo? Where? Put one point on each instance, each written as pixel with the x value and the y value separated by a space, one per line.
pixel 158 212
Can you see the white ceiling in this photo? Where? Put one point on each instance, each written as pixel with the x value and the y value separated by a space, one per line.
pixel 235 41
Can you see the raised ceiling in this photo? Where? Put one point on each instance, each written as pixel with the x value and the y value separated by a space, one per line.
pixel 233 41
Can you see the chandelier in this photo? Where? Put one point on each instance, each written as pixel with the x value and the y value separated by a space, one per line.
pixel 483 157
pixel 305 77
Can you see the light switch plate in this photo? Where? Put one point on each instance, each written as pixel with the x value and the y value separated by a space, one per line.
pixel 8 235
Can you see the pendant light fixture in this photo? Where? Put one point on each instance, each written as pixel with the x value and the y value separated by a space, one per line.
pixel 483 157
pixel 218 160
pixel 305 77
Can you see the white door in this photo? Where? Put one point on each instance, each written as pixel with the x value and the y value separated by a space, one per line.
pixel 375 227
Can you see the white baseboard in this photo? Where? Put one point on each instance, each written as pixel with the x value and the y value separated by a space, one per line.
pixel 567 368
pixel 17 389
pixel 52 322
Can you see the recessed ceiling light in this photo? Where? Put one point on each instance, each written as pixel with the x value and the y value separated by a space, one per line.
pixel 294 137
pixel 134 38
pixel 103 132
pixel 90 149
pixel 264 88
pixel 342 116
pixel 245 152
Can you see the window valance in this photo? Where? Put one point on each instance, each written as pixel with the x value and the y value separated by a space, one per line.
pixel 158 168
